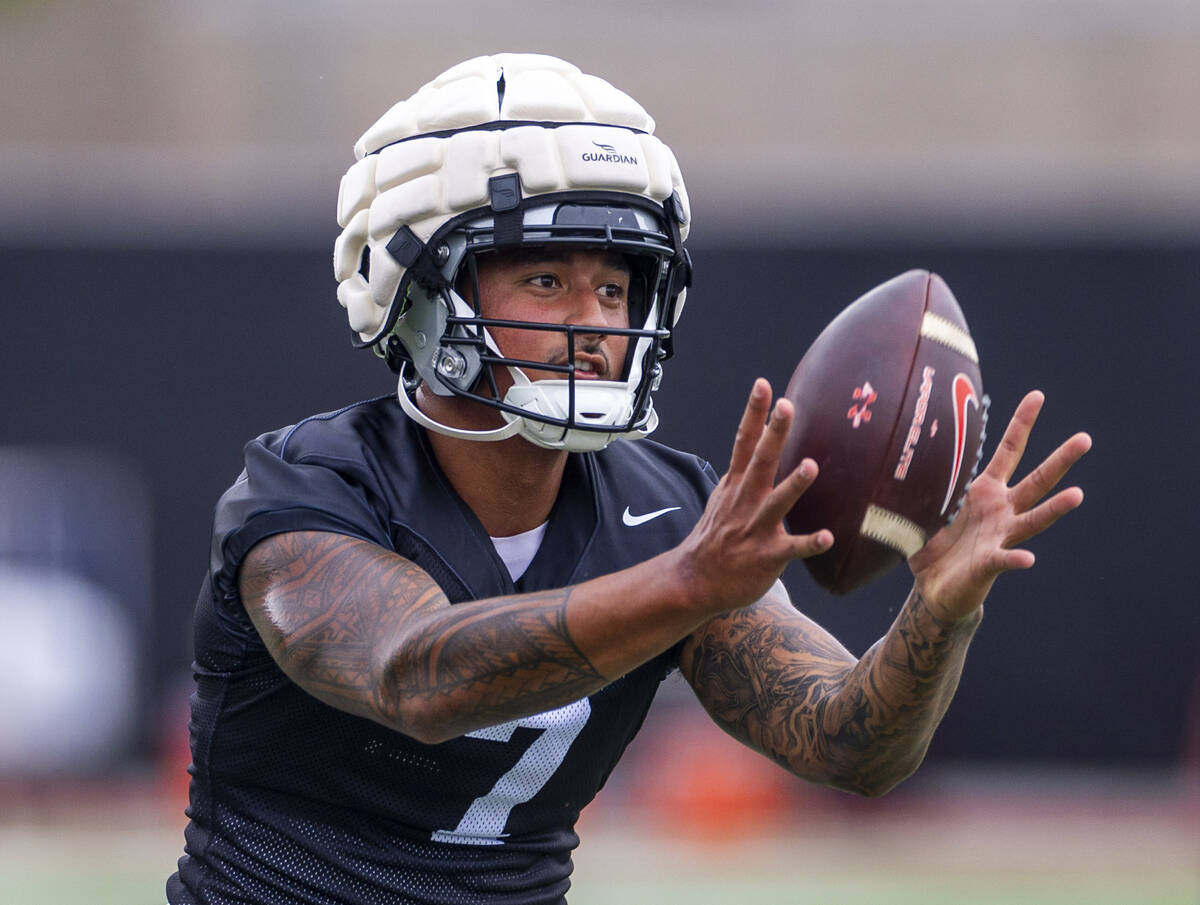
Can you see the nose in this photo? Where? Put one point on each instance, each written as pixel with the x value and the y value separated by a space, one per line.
pixel 584 308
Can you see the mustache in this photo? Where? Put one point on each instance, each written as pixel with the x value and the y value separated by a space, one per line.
pixel 592 350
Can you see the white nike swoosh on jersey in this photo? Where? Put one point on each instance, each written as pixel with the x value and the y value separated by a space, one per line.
pixel 634 520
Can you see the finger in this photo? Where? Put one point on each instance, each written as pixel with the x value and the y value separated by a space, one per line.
pixel 750 428
pixel 1008 454
pixel 806 545
pixel 1046 476
pixel 783 497
pixel 1038 519
pixel 764 463
pixel 1012 561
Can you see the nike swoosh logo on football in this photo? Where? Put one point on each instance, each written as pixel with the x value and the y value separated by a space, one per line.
pixel 964 394
pixel 635 520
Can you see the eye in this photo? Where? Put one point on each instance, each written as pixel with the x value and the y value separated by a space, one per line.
pixel 612 291
pixel 543 280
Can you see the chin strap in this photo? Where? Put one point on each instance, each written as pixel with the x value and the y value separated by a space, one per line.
pixel 410 408
pixel 544 397
pixel 607 398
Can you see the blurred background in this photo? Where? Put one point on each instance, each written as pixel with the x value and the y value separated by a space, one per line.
pixel 168 173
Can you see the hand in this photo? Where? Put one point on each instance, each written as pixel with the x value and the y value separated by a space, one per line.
pixel 956 568
pixel 740 546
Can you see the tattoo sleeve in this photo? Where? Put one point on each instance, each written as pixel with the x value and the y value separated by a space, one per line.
pixel 783 685
pixel 369 632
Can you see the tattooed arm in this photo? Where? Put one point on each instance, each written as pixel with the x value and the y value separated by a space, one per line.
pixel 369 632
pixel 777 681
pixel 780 683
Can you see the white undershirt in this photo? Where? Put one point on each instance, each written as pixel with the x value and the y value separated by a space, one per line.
pixel 518 551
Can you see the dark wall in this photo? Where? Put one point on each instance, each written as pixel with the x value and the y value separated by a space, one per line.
pixel 172 359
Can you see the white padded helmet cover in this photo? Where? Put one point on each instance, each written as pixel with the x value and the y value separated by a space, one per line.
pixel 402 179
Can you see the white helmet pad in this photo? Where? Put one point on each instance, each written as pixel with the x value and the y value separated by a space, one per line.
pixel 482 158
pixel 424 182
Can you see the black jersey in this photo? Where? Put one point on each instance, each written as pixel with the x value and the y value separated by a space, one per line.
pixel 294 801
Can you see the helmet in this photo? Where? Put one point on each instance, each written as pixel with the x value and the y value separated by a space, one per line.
pixel 498 153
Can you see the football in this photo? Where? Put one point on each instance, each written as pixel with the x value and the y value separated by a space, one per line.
pixel 890 404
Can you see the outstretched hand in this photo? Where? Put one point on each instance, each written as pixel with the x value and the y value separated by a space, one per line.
pixel 740 546
pixel 956 568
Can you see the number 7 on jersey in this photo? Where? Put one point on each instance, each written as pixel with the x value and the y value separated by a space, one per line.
pixel 483 824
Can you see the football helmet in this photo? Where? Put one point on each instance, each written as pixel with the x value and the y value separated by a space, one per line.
pixel 501 153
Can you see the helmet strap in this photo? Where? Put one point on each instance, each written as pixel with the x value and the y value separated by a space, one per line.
pixel 504 197
pixel 410 408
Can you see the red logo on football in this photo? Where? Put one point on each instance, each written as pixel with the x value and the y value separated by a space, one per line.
pixel 964 392
pixel 862 411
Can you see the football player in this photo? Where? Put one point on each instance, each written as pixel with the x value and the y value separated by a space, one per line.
pixel 435 619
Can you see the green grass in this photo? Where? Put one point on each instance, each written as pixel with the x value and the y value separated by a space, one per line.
pixel 997 853
pixel 981 890
pixel 63 863
pixel 780 874
pixel 99 883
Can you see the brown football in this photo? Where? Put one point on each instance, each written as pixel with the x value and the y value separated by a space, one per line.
pixel 890 403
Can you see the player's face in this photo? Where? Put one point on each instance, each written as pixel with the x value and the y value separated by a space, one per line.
pixel 582 287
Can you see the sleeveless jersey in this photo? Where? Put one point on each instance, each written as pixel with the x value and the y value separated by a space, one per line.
pixel 294 801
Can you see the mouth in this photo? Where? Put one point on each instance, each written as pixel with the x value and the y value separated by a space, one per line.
pixel 589 366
